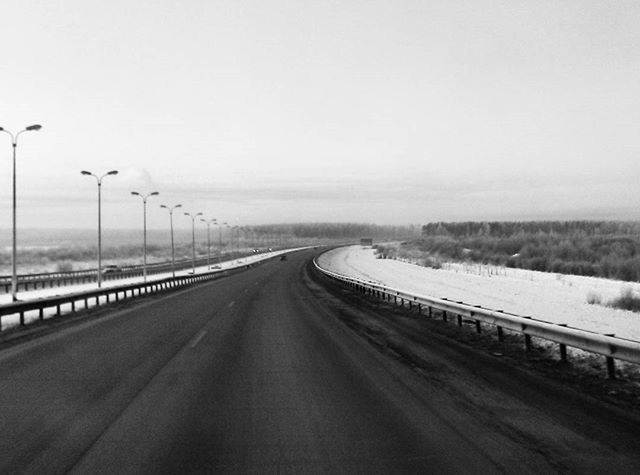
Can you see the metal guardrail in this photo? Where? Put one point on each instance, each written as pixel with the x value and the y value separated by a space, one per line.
pixel 116 293
pixel 608 345
pixel 43 280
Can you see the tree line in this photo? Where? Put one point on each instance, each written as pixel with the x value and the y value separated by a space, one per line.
pixel 338 231
pixel 594 248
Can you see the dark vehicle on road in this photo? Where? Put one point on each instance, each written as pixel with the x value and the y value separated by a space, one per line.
pixel 110 269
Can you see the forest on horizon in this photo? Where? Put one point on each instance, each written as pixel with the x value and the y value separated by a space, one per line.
pixel 608 249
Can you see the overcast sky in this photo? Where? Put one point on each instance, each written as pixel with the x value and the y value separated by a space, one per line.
pixel 283 111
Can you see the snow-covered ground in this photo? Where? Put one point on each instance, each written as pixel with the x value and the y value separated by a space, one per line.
pixel 12 320
pixel 552 297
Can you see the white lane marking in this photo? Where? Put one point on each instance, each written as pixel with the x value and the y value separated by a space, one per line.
pixel 231 304
pixel 198 338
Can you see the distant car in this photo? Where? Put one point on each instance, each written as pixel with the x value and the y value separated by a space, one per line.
pixel 110 269
pixel 283 257
pixel 216 266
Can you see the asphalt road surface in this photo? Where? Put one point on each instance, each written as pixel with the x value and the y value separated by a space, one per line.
pixel 258 373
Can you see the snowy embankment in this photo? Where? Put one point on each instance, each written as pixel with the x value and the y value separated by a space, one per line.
pixel 12 320
pixel 553 297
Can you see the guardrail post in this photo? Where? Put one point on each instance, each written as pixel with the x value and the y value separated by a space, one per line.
pixel 459 320
pixel 478 327
pixel 527 338
pixel 73 306
pixel 444 315
pixel 419 309
pixel 41 313
pixel 611 367
pixel 563 352
pixel 611 364
pixel 97 301
pixel 58 310
pixel 500 334
pixel 563 347
pixel 21 319
pixel 86 303
pixel 430 311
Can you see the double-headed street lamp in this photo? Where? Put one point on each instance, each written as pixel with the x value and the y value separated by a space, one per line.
pixel 219 241
pixel 99 180
pixel 14 143
pixel 144 245
pixel 193 238
pixel 220 226
pixel 173 251
pixel 209 222
pixel 229 238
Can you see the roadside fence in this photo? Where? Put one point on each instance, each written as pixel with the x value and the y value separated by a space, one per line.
pixel 607 345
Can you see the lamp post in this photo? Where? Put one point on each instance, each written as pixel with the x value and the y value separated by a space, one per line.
pixel 229 238
pixel 144 240
pixel 219 241
pixel 99 180
pixel 14 273
pixel 236 230
pixel 226 225
pixel 193 239
pixel 209 222
pixel 173 250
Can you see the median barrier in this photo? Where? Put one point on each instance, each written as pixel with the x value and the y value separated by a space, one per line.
pixel 27 282
pixel 72 301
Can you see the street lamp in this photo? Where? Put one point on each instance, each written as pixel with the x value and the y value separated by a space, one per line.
pixel 236 230
pixel 193 238
pixel 230 238
pixel 14 143
pixel 144 241
pixel 209 221
pixel 173 251
pixel 219 241
pixel 99 180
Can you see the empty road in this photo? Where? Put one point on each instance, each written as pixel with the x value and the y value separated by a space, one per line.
pixel 258 373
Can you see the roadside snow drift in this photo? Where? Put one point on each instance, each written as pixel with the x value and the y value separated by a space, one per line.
pixel 557 298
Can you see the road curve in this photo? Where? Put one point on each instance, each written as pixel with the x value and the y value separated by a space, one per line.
pixel 256 373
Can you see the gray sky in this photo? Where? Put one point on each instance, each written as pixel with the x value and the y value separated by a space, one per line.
pixel 273 111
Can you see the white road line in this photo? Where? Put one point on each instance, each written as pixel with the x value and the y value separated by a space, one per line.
pixel 198 338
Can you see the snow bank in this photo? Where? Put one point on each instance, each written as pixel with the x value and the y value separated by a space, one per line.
pixel 553 297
